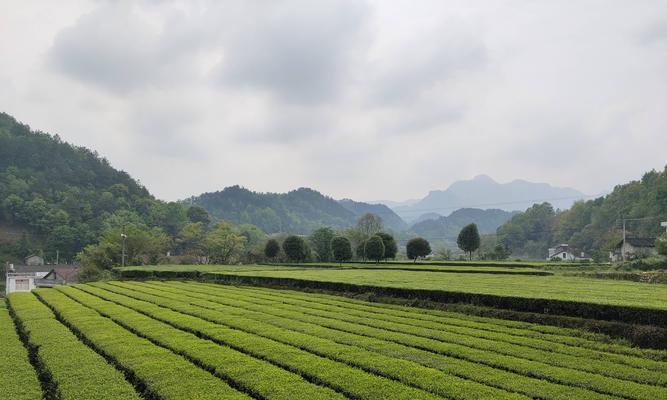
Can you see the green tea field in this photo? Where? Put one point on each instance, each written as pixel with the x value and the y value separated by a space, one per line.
pixel 186 340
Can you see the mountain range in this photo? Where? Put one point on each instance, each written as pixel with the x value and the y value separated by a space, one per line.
pixel 484 193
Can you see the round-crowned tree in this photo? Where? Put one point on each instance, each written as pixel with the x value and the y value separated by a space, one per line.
pixel 198 214
pixel 271 248
pixel 468 239
pixel 390 247
pixel 418 247
pixel 341 249
pixel 295 248
pixel 374 248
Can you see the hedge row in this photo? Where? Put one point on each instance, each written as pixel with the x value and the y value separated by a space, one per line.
pixel 352 382
pixel 76 370
pixel 543 336
pixel 257 377
pixel 159 370
pixel 480 373
pixel 525 347
pixel 188 303
pixel 627 314
pixel 18 379
pixel 419 267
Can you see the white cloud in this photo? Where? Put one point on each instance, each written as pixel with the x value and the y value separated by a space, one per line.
pixel 360 100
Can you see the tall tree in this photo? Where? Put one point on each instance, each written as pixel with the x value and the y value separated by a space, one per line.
pixel 418 247
pixel 369 224
pixel 341 249
pixel 321 241
pixel 390 247
pixel 223 244
pixel 468 239
pixel 295 248
pixel 374 248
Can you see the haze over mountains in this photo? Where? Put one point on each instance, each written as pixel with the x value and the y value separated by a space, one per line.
pixel 485 193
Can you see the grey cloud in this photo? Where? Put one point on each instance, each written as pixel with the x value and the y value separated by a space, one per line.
pixel 119 47
pixel 440 58
pixel 297 50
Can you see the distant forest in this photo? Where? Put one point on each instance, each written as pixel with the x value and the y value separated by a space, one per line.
pixel 592 226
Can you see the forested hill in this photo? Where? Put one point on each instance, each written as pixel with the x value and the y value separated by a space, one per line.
pixel 299 211
pixel 389 218
pixel 592 226
pixel 446 229
pixel 55 196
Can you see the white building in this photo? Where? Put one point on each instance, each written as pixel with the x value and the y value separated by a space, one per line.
pixel 24 278
pixel 566 252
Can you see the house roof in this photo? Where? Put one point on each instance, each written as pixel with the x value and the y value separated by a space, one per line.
pixel 44 268
pixel 638 242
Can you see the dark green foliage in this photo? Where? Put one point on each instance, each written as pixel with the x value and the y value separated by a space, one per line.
pixel 295 248
pixel 390 247
pixel 468 239
pixel 321 241
pixel 272 248
pixel 300 211
pixel 418 247
pixel 59 196
pixel 374 248
pixel 198 214
pixel 341 249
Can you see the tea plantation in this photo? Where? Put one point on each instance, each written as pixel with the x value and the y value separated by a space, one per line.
pixel 188 340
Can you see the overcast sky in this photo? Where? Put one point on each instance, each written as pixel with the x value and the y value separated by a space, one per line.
pixel 367 100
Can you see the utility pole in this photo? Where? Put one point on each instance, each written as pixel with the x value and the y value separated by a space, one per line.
pixel 57 257
pixel 123 236
pixel 623 245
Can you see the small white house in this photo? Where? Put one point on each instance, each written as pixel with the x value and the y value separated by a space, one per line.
pixel 24 278
pixel 566 252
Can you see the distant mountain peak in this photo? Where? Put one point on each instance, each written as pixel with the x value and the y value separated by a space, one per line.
pixel 484 192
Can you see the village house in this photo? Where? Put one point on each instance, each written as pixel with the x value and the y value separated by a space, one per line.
pixel 633 248
pixel 566 252
pixel 24 278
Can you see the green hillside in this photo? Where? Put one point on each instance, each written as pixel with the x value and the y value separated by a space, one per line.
pixel 58 197
pixel 299 211
pixel 593 226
